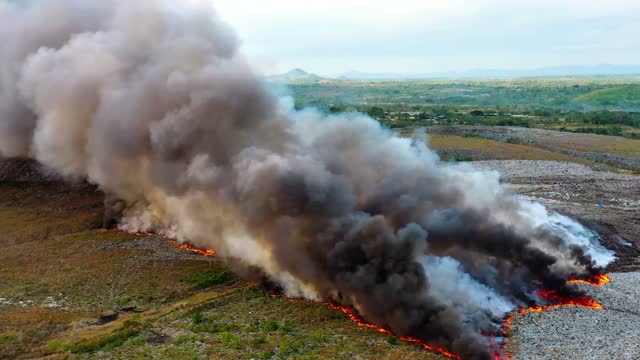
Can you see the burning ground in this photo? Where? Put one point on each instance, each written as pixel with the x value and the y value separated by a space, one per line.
pixel 571 332
pixel 152 102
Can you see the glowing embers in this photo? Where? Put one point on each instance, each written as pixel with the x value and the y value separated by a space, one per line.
pixel 193 249
pixel 559 301
pixel 360 322
pixel 353 316
pixel 184 246
pixel 556 302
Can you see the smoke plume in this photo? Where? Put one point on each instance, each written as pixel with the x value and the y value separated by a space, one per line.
pixel 151 100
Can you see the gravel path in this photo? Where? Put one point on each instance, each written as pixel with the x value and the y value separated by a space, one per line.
pixel 579 333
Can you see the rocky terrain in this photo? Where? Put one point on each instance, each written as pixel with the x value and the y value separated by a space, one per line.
pixel 609 203
pixel 585 334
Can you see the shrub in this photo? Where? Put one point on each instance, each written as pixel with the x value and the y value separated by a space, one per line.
pixel 210 278
pixel 231 340
pixel 197 318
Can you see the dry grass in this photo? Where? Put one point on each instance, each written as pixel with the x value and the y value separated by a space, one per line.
pixel 247 323
pixel 597 143
pixel 51 249
pixel 498 149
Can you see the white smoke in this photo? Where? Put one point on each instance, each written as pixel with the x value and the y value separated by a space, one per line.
pixel 151 101
pixel 452 286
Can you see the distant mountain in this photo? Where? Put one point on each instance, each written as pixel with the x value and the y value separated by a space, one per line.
pixel 497 73
pixel 295 76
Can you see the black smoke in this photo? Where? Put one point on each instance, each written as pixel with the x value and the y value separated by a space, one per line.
pixel 151 101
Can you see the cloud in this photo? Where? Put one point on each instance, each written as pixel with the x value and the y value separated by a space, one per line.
pixel 333 36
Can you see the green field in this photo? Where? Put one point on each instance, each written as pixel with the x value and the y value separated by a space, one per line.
pixel 596 105
pixel 599 110
pixel 569 93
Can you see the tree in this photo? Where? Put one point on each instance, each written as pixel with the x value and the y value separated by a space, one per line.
pixel 376 112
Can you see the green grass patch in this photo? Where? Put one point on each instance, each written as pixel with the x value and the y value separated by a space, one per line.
pixel 627 93
pixel 265 355
pixel 209 278
pixel 7 339
pixel 186 339
pixel 213 328
pixel 112 341
pixel 233 341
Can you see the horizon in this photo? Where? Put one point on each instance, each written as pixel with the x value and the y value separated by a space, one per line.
pixel 588 70
pixel 422 37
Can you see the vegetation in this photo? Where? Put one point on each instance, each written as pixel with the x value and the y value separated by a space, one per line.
pixel 572 93
pixel 75 291
pixel 103 343
pixel 249 323
pixel 606 106
pixel 203 280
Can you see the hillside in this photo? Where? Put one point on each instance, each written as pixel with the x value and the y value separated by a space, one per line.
pixel 626 96
pixel 560 93
pixel 295 76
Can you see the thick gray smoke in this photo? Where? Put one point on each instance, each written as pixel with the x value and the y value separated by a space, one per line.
pixel 150 100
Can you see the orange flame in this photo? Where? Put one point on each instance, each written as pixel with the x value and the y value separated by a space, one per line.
pixel 351 314
pixel 193 249
pixel 558 302
pixel 597 280
pixel 360 322
pixel 185 246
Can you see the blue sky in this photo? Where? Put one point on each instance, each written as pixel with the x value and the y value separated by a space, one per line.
pixel 421 36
